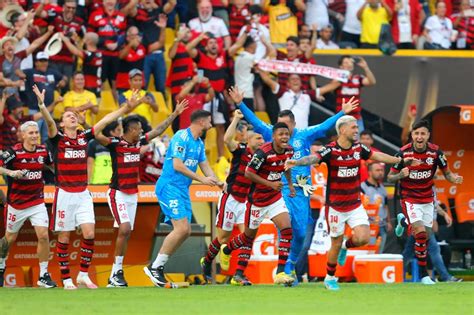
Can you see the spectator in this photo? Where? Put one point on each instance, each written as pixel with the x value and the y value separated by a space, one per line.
pixel 366 138
pixel 71 26
pixel 152 24
pixel 352 28
pixel 193 91
pixel 308 44
pixel 99 161
pixel 25 33
pixel 144 109
pixel 337 10
pixel 131 56
pixel 81 100
pixel 372 15
pixel 292 97
pixel 239 17
pixel 283 21
pixel 215 63
pixel 351 88
pixel 257 31
pixel 324 40
pixel 317 13
pixel 206 23
pixel 406 22
pixel 10 62
pixel 152 159
pixel 109 24
pixel 304 31
pixel 375 193
pixel 220 9
pixel 181 63
pixel 463 22
pixel 11 119
pixel 439 29
pixel 46 79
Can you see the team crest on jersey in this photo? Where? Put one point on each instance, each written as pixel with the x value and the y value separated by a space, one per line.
pixel 81 141
pixel 297 144
pixel 6 155
pixel 355 80
pixel 219 61
pixel 357 155
pixel 429 161
pixel 40 160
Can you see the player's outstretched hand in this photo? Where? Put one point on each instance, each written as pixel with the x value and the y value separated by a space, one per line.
pixel 458 179
pixel 238 114
pixel 289 164
pixel 210 181
pixel 404 172
pixel 277 186
pixel 17 173
pixel 411 161
pixel 135 100
pixel 292 191
pixel 236 95
pixel 39 94
pixel 181 106
pixel 349 106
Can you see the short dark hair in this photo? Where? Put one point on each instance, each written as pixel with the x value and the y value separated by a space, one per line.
pixel 77 73
pixel 420 124
pixel 372 164
pixel 255 9
pixel 341 59
pixel 280 125
pixel 317 142
pixel 145 124
pixel 201 113
pixel 128 121
pixel 293 39
pixel 248 41
pixel 287 113
pixel 367 132
pixel 110 127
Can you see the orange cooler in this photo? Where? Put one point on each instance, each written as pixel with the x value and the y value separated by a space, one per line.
pixel 378 268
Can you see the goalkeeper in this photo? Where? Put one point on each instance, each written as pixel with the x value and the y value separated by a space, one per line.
pixel 300 140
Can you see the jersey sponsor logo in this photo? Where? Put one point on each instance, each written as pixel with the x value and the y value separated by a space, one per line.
pixel 256 162
pixel 191 162
pixel 74 154
pixel 420 174
pixel 273 176
pixel 284 16
pixel 34 175
pixel 348 172
pixel 325 152
pixel 131 158
pixel 349 91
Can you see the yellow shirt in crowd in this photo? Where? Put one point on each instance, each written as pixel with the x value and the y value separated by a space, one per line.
pixel 75 99
pixel 283 23
pixel 143 109
pixel 372 21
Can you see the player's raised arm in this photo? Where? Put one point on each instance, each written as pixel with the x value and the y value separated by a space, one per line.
pixel 252 169
pixel 229 135
pixel 259 126
pixel 52 128
pixel 389 159
pixel 307 160
pixel 180 108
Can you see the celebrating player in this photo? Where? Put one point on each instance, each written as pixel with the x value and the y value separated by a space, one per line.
pixel 231 205
pixel 300 140
pixel 122 195
pixel 23 164
pixel 265 199
pixel 416 189
pixel 343 203
pixel 185 153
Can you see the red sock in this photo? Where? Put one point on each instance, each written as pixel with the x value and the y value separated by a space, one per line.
pixel 350 243
pixel 87 250
pixel 284 248
pixel 331 269
pixel 420 248
pixel 237 242
pixel 244 256
pixel 213 250
pixel 63 259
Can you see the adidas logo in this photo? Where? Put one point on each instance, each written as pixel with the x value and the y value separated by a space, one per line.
pixel 274 164
pixel 340 158
pixel 23 161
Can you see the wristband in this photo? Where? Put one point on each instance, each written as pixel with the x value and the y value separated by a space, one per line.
pixel 318 92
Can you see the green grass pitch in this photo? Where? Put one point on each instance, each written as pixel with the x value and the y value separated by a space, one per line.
pixel 442 298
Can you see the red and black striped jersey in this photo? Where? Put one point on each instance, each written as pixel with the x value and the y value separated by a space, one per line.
pixel 75 26
pixel 349 89
pixel 338 6
pixel 181 70
pixel 465 29
pixel 237 184
pixel 27 191
pixel 270 165
pixel 109 28
pixel 133 60
pixel 150 170
pixel 9 129
pixel 343 183
pixel 283 77
pixel 125 163
pixel 215 69
pixel 92 69
pixel 418 186
pixel 237 19
pixel 70 155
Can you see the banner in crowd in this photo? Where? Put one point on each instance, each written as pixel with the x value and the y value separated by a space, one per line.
pixel 303 68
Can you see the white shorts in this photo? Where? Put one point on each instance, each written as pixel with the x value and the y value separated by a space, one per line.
pixel 123 206
pixel 71 209
pixel 217 117
pixel 419 212
pixel 255 215
pixel 337 220
pixel 38 216
pixel 230 212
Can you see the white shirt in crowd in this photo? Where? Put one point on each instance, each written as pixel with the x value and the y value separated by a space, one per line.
pixel 214 25
pixel 255 33
pixel 26 63
pixel 322 45
pixel 242 73
pixel 298 103
pixel 352 23
pixel 317 13
pixel 439 30
pixel 404 22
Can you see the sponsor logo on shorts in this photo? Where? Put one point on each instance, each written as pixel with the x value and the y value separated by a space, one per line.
pixel 420 175
pixel 74 154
